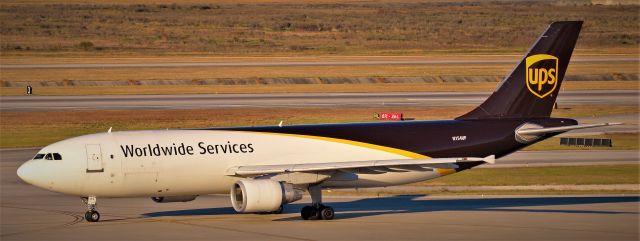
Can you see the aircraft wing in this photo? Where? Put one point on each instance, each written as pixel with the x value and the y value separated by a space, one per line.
pixel 372 167
pixel 534 131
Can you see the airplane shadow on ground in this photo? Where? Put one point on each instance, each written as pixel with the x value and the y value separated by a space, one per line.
pixel 411 204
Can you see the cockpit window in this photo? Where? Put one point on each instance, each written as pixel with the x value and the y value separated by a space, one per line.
pixel 38 156
pixel 51 156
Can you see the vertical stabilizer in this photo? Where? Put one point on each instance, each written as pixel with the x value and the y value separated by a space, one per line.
pixel 532 87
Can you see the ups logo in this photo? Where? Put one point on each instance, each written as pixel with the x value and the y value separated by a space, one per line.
pixel 541 74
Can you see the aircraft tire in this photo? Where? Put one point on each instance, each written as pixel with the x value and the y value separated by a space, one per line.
pixel 327 213
pixel 308 212
pixel 92 216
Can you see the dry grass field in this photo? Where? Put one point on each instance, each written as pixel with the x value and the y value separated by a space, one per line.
pixel 559 175
pixel 397 27
pixel 25 129
pixel 199 73
pixel 22 129
pixel 145 31
pixel 196 73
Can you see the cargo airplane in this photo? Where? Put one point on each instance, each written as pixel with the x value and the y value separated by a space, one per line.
pixel 266 167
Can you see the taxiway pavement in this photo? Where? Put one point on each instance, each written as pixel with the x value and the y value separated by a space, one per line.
pixel 200 101
pixel 39 215
pixel 30 213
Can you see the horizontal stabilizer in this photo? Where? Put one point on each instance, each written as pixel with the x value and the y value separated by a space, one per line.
pixel 535 131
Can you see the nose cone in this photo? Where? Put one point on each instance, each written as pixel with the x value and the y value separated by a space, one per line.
pixel 26 172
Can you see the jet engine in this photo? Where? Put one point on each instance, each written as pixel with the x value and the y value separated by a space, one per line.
pixel 262 195
pixel 171 199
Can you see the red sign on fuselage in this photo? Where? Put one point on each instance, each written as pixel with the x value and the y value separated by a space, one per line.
pixel 390 116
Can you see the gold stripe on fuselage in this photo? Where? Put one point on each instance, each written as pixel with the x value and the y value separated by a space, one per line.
pixel 413 155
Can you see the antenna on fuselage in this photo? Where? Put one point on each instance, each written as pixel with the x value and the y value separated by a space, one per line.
pixel 109 131
pixel 280 124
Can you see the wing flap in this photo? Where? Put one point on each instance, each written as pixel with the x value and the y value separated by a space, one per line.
pixel 414 168
pixel 380 166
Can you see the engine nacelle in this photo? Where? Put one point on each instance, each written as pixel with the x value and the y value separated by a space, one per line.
pixel 171 199
pixel 262 195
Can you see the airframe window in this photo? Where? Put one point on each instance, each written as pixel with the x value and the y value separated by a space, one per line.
pixel 57 156
pixel 48 156
pixel 38 156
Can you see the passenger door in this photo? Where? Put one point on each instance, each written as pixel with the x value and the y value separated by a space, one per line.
pixel 94 158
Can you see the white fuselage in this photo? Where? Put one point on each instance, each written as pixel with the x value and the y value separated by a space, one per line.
pixel 195 162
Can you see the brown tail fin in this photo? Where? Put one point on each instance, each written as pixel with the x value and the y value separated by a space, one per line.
pixel 532 87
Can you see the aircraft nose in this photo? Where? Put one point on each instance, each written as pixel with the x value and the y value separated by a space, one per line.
pixel 26 172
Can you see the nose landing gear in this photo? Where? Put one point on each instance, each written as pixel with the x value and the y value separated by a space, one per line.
pixel 92 215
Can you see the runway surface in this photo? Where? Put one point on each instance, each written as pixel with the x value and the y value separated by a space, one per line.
pixel 29 213
pixel 508 60
pixel 199 101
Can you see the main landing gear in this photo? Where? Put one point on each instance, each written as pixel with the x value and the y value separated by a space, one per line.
pixel 91 215
pixel 316 211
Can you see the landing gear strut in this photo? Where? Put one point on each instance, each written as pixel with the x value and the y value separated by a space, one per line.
pixel 316 211
pixel 92 215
